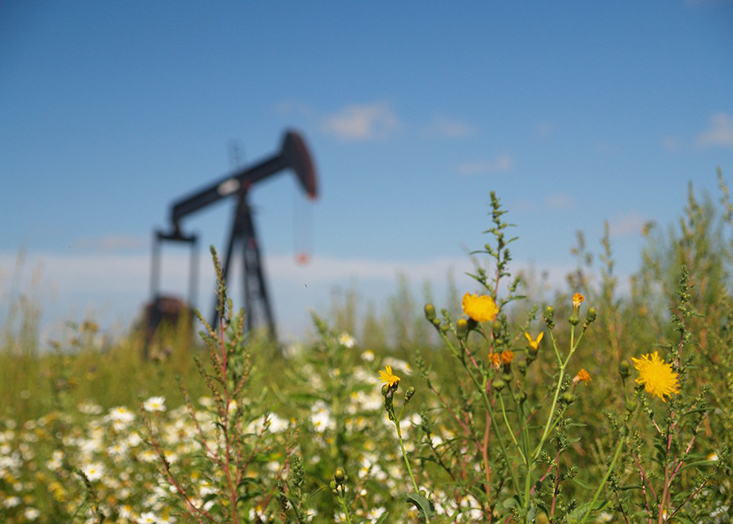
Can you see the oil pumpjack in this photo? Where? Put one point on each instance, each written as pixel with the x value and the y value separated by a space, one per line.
pixel 293 155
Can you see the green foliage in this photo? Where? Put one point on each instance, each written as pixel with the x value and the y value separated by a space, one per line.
pixel 479 420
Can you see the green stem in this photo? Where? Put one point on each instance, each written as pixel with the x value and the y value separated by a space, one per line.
pixel 546 431
pixel 509 427
pixel 345 508
pixel 404 455
pixel 502 445
pixel 605 479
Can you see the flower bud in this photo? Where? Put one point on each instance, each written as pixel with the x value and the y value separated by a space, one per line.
pixel 409 393
pixel 624 369
pixel 591 316
pixel 568 398
pixel 496 329
pixel 386 390
pixel 507 377
pixel 498 384
pixel 542 518
pixel 631 406
pixel 443 327
pixel 549 313
pixel 436 322
pixel 430 312
pixel 573 319
pixel 462 328
pixel 339 476
pixel 522 366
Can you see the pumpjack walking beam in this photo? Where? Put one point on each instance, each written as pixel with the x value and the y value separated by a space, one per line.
pixel 293 155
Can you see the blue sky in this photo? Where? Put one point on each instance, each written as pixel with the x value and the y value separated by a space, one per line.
pixel 573 112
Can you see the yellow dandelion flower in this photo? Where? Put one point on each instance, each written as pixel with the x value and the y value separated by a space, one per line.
pixel 577 300
pixel 582 376
pixel 388 377
pixel 656 376
pixel 534 343
pixel 495 359
pixel 479 308
pixel 507 357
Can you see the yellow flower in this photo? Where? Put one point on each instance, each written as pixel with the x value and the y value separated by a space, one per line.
pixel 656 376
pixel 388 377
pixel 582 376
pixel 479 308
pixel 534 344
pixel 507 357
pixel 577 300
pixel 495 359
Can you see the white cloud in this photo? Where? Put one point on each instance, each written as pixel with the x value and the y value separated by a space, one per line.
pixel 559 201
pixel 356 123
pixel 500 164
pixel 720 132
pixel 627 225
pixel 442 127
pixel 112 243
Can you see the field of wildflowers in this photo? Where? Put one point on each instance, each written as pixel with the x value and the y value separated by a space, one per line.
pixel 503 405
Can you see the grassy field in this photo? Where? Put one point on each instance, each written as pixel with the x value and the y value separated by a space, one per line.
pixel 503 405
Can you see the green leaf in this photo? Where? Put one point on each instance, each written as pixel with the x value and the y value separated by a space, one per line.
pixel 423 505
pixel 582 484
pixel 383 518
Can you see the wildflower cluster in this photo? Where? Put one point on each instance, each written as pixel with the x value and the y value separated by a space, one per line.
pixel 522 414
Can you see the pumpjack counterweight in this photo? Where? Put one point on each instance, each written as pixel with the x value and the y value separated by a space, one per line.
pixel 293 155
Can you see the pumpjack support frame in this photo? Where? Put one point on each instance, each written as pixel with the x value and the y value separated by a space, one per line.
pixel 293 155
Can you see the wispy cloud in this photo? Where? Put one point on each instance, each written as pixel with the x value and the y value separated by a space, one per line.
pixel 500 164
pixel 442 127
pixel 627 225
pixel 559 201
pixel 111 243
pixel 720 132
pixel 365 122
